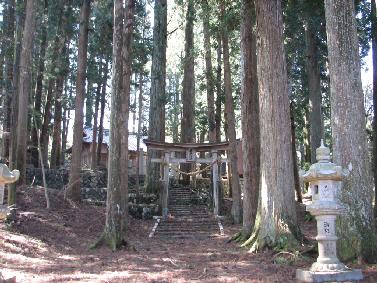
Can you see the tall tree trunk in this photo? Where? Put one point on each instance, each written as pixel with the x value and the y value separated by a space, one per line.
pixel 56 49
pixel 188 88
pixel 314 85
pixel 209 73
pixel 219 92
pixel 63 52
pixel 102 116
pixel 356 228
pixel 37 117
pixel 95 123
pixel 65 122
pixel 156 130
pixel 276 217
pixel 9 19
pixel 66 112
pixel 117 194
pixel 294 156
pixel 20 19
pixel 89 103
pixel 2 83
pixel 74 185
pixel 307 135
pixel 139 124
pixel 374 55
pixel 232 151
pixel 57 131
pixel 44 135
pixel 174 81
pixel 24 89
pixel 250 118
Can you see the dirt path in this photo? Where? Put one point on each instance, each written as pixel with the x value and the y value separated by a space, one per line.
pixel 53 247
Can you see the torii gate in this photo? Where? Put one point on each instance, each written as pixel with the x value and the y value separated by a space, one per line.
pixel 168 157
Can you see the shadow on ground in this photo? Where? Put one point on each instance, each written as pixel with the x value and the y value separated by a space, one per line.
pixel 52 246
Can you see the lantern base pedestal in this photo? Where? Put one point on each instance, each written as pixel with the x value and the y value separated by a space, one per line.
pixel 329 276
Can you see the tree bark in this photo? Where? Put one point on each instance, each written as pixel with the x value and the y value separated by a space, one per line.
pixel 276 218
pixel 56 131
pixel 230 117
pixel 63 44
pixel 188 86
pixel 55 48
pixel 356 228
pixel 9 19
pixel 139 124
pixel 102 116
pixel 74 185
pixel 294 156
pixel 156 130
pixel 24 89
pixel 65 122
pixel 95 123
pixel 44 135
pixel 37 117
pixel 250 118
pixel 89 101
pixel 314 86
pixel 209 73
pixel 219 92
pixel 117 195
pixel 20 19
pixel 374 55
pixel 307 135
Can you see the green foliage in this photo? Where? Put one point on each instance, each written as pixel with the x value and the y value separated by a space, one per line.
pixel 281 243
pixel 287 258
pixel 363 23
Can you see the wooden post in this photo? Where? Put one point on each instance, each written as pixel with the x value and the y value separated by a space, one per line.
pixel 215 177
pixel 165 192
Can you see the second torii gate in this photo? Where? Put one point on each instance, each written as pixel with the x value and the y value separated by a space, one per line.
pixel 190 149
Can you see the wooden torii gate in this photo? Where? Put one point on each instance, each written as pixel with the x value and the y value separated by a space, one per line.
pixel 169 157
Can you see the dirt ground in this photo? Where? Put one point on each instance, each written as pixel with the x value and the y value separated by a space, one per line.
pixel 53 246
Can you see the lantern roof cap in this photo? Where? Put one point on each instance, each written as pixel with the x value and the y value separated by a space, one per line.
pixel 7 176
pixel 324 169
pixel 323 153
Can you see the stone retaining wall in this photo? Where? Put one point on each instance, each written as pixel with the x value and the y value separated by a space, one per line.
pixel 58 178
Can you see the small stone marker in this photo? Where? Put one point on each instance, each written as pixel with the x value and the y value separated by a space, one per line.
pixel 325 180
pixel 6 177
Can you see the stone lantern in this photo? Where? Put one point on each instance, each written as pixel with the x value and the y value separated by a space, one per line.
pixel 325 180
pixel 6 177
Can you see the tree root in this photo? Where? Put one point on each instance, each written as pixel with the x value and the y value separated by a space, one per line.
pixel 111 243
pixel 234 237
pixel 251 240
pixel 238 238
pixel 98 243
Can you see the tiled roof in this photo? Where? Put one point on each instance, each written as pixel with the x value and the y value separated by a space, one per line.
pixel 132 139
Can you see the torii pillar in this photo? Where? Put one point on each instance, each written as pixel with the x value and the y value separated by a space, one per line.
pixel 215 181
pixel 165 190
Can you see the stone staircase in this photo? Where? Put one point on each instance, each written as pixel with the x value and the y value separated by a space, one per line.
pixel 188 217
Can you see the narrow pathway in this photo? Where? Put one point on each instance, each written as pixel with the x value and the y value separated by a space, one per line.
pixel 188 217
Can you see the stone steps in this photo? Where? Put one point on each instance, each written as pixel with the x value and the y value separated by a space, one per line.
pixel 190 224
pixel 188 219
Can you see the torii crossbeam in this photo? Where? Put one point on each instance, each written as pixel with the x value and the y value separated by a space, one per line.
pixel 168 157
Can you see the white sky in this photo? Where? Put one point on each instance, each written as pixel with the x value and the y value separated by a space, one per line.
pixel 367 71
